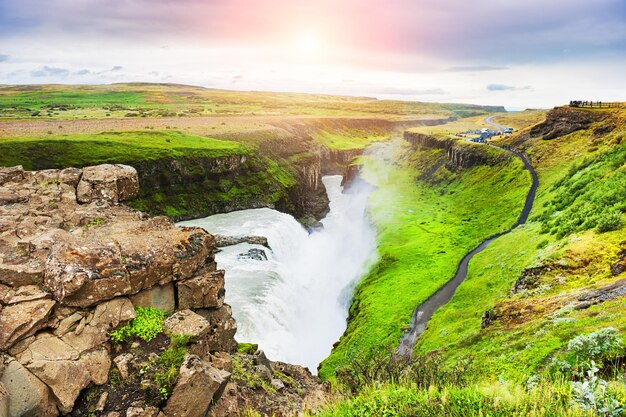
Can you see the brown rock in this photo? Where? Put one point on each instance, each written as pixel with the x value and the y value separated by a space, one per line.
pixel 26 395
pixel 25 293
pixel 198 384
pixel 142 412
pixel 204 291
pixel 26 273
pixel 121 363
pixel 86 275
pixel 221 335
pixel 10 197
pixel 186 322
pixel 160 297
pixel 11 174
pixel 108 182
pixel 66 378
pixel 94 329
pixel 23 319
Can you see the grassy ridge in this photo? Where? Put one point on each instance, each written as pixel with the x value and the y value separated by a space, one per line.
pixel 425 229
pixel 110 147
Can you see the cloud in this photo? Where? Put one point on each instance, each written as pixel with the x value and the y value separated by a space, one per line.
pixel 4 57
pixel 476 68
pixel 503 87
pixel 410 91
pixel 117 68
pixel 47 71
pixel 82 72
pixel 237 78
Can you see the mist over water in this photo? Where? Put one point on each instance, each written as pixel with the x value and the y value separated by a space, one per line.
pixel 295 303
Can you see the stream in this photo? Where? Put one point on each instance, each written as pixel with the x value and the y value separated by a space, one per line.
pixel 293 299
pixel 425 311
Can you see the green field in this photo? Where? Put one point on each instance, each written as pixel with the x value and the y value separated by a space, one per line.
pixel 56 151
pixel 174 100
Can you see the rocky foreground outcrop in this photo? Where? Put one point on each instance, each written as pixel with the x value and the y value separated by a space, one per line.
pixel 74 265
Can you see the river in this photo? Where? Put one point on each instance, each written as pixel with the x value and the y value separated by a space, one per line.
pixel 294 304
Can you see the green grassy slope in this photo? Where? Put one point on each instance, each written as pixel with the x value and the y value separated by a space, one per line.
pixel 425 228
pixel 575 235
pixel 538 304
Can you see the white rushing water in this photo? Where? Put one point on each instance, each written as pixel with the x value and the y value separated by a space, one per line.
pixel 295 303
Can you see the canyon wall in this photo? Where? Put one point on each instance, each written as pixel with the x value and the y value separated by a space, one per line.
pixel 75 264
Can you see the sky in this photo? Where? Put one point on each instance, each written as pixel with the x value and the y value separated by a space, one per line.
pixel 520 54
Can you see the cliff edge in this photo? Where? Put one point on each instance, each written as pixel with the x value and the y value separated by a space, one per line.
pixel 76 266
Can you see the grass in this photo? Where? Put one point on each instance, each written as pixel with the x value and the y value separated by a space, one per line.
pixel 493 400
pixel 424 231
pixel 60 151
pixel 522 119
pixel 348 142
pixel 169 100
pixel 592 195
pixel 534 325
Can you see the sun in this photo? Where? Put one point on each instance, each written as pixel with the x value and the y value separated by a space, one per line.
pixel 308 45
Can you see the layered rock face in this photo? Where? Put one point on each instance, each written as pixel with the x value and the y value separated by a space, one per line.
pixel 74 265
pixel 562 121
pixel 458 154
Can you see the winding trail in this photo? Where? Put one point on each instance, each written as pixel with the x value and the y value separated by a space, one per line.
pixel 425 311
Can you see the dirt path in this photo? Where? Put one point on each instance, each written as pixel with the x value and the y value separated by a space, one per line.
pixel 425 311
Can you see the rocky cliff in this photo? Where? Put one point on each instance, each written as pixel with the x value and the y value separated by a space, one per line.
pixel 75 265
pixel 458 153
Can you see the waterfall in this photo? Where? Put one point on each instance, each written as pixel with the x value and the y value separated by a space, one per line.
pixel 295 303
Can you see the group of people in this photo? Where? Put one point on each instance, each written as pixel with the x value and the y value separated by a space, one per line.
pixel 581 103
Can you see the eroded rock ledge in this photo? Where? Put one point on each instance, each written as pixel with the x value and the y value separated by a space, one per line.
pixel 74 264
pixel 458 154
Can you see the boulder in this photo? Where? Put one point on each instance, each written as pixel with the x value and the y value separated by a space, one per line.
pixel 85 275
pixel 66 378
pixel 204 291
pixel 186 322
pixel 142 412
pixel 108 182
pixel 11 174
pixel 23 319
pixel 26 395
pixel 94 329
pixel 198 385
pixel 122 363
pixel 160 297
pixel 221 334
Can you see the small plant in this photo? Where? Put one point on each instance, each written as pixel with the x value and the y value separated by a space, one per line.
pixel 599 346
pixel 591 395
pixel 95 222
pixel 169 364
pixel 146 325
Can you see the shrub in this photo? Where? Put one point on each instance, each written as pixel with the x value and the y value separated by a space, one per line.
pixel 377 366
pixel 608 221
pixel 597 346
pixel 146 325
